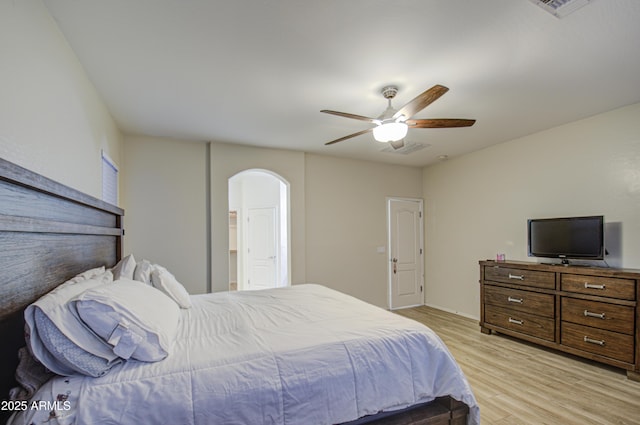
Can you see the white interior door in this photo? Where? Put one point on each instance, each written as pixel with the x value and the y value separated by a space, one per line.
pixel 406 261
pixel 262 248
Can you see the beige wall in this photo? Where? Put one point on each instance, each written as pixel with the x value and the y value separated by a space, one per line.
pixel 346 222
pixel 52 121
pixel 166 184
pixel 338 211
pixel 228 160
pixel 477 205
pixel 166 217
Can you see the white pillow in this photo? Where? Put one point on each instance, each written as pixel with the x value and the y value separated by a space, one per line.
pixel 143 272
pixel 125 268
pixel 89 274
pixel 162 279
pixel 60 319
pixel 137 320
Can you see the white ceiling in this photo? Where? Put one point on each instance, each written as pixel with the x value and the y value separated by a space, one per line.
pixel 258 72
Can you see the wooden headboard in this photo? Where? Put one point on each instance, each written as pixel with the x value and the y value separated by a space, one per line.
pixel 48 233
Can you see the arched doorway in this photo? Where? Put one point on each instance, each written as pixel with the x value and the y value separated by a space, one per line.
pixel 259 246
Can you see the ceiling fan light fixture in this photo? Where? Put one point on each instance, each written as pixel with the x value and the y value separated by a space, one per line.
pixel 390 131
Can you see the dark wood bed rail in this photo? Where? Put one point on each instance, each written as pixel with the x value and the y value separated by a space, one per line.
pixel 49 232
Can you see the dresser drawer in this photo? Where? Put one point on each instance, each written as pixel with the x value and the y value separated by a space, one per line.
pixel 530 324
pixel 597 341
pixel 616 318
pixel 518 300
pixel 624 289
pixel 514 276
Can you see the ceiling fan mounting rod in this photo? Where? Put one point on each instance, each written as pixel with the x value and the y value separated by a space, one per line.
pixel 389 92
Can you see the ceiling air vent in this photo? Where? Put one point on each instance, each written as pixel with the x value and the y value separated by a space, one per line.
pixel 403 148
pixel 561 8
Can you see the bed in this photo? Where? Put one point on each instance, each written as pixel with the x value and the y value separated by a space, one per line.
pixel 279 356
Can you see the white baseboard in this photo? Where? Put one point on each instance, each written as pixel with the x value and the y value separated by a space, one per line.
pixel 448 310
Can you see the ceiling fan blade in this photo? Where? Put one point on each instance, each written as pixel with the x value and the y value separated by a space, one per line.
pixel 347 115
pixel 440 123
pixel 349 136
pixel 421 101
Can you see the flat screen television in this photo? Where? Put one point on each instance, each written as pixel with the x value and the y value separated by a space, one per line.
pixel 567 238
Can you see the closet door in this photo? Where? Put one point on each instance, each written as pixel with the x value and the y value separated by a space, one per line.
pixel 262 249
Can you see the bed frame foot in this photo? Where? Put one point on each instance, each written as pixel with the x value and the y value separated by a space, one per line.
pixel 458 411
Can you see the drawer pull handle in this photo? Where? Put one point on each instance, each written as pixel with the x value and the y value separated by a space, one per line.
pixel 516 321
pixel 588 285
pixel 599 342
pixel 587 313
pixel 515 276
pixel 515 300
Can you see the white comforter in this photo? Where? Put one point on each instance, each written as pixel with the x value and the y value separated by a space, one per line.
pixel 300 355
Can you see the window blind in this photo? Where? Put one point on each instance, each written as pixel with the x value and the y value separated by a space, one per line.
pixel 109 180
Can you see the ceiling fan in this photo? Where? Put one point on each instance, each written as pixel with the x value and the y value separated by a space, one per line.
pixel 392 125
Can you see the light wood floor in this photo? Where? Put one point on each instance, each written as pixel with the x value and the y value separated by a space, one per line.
pixel 517 383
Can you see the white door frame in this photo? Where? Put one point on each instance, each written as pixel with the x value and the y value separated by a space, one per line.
pixel 390 264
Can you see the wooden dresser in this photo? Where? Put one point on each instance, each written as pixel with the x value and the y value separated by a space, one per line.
pixel 590 312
